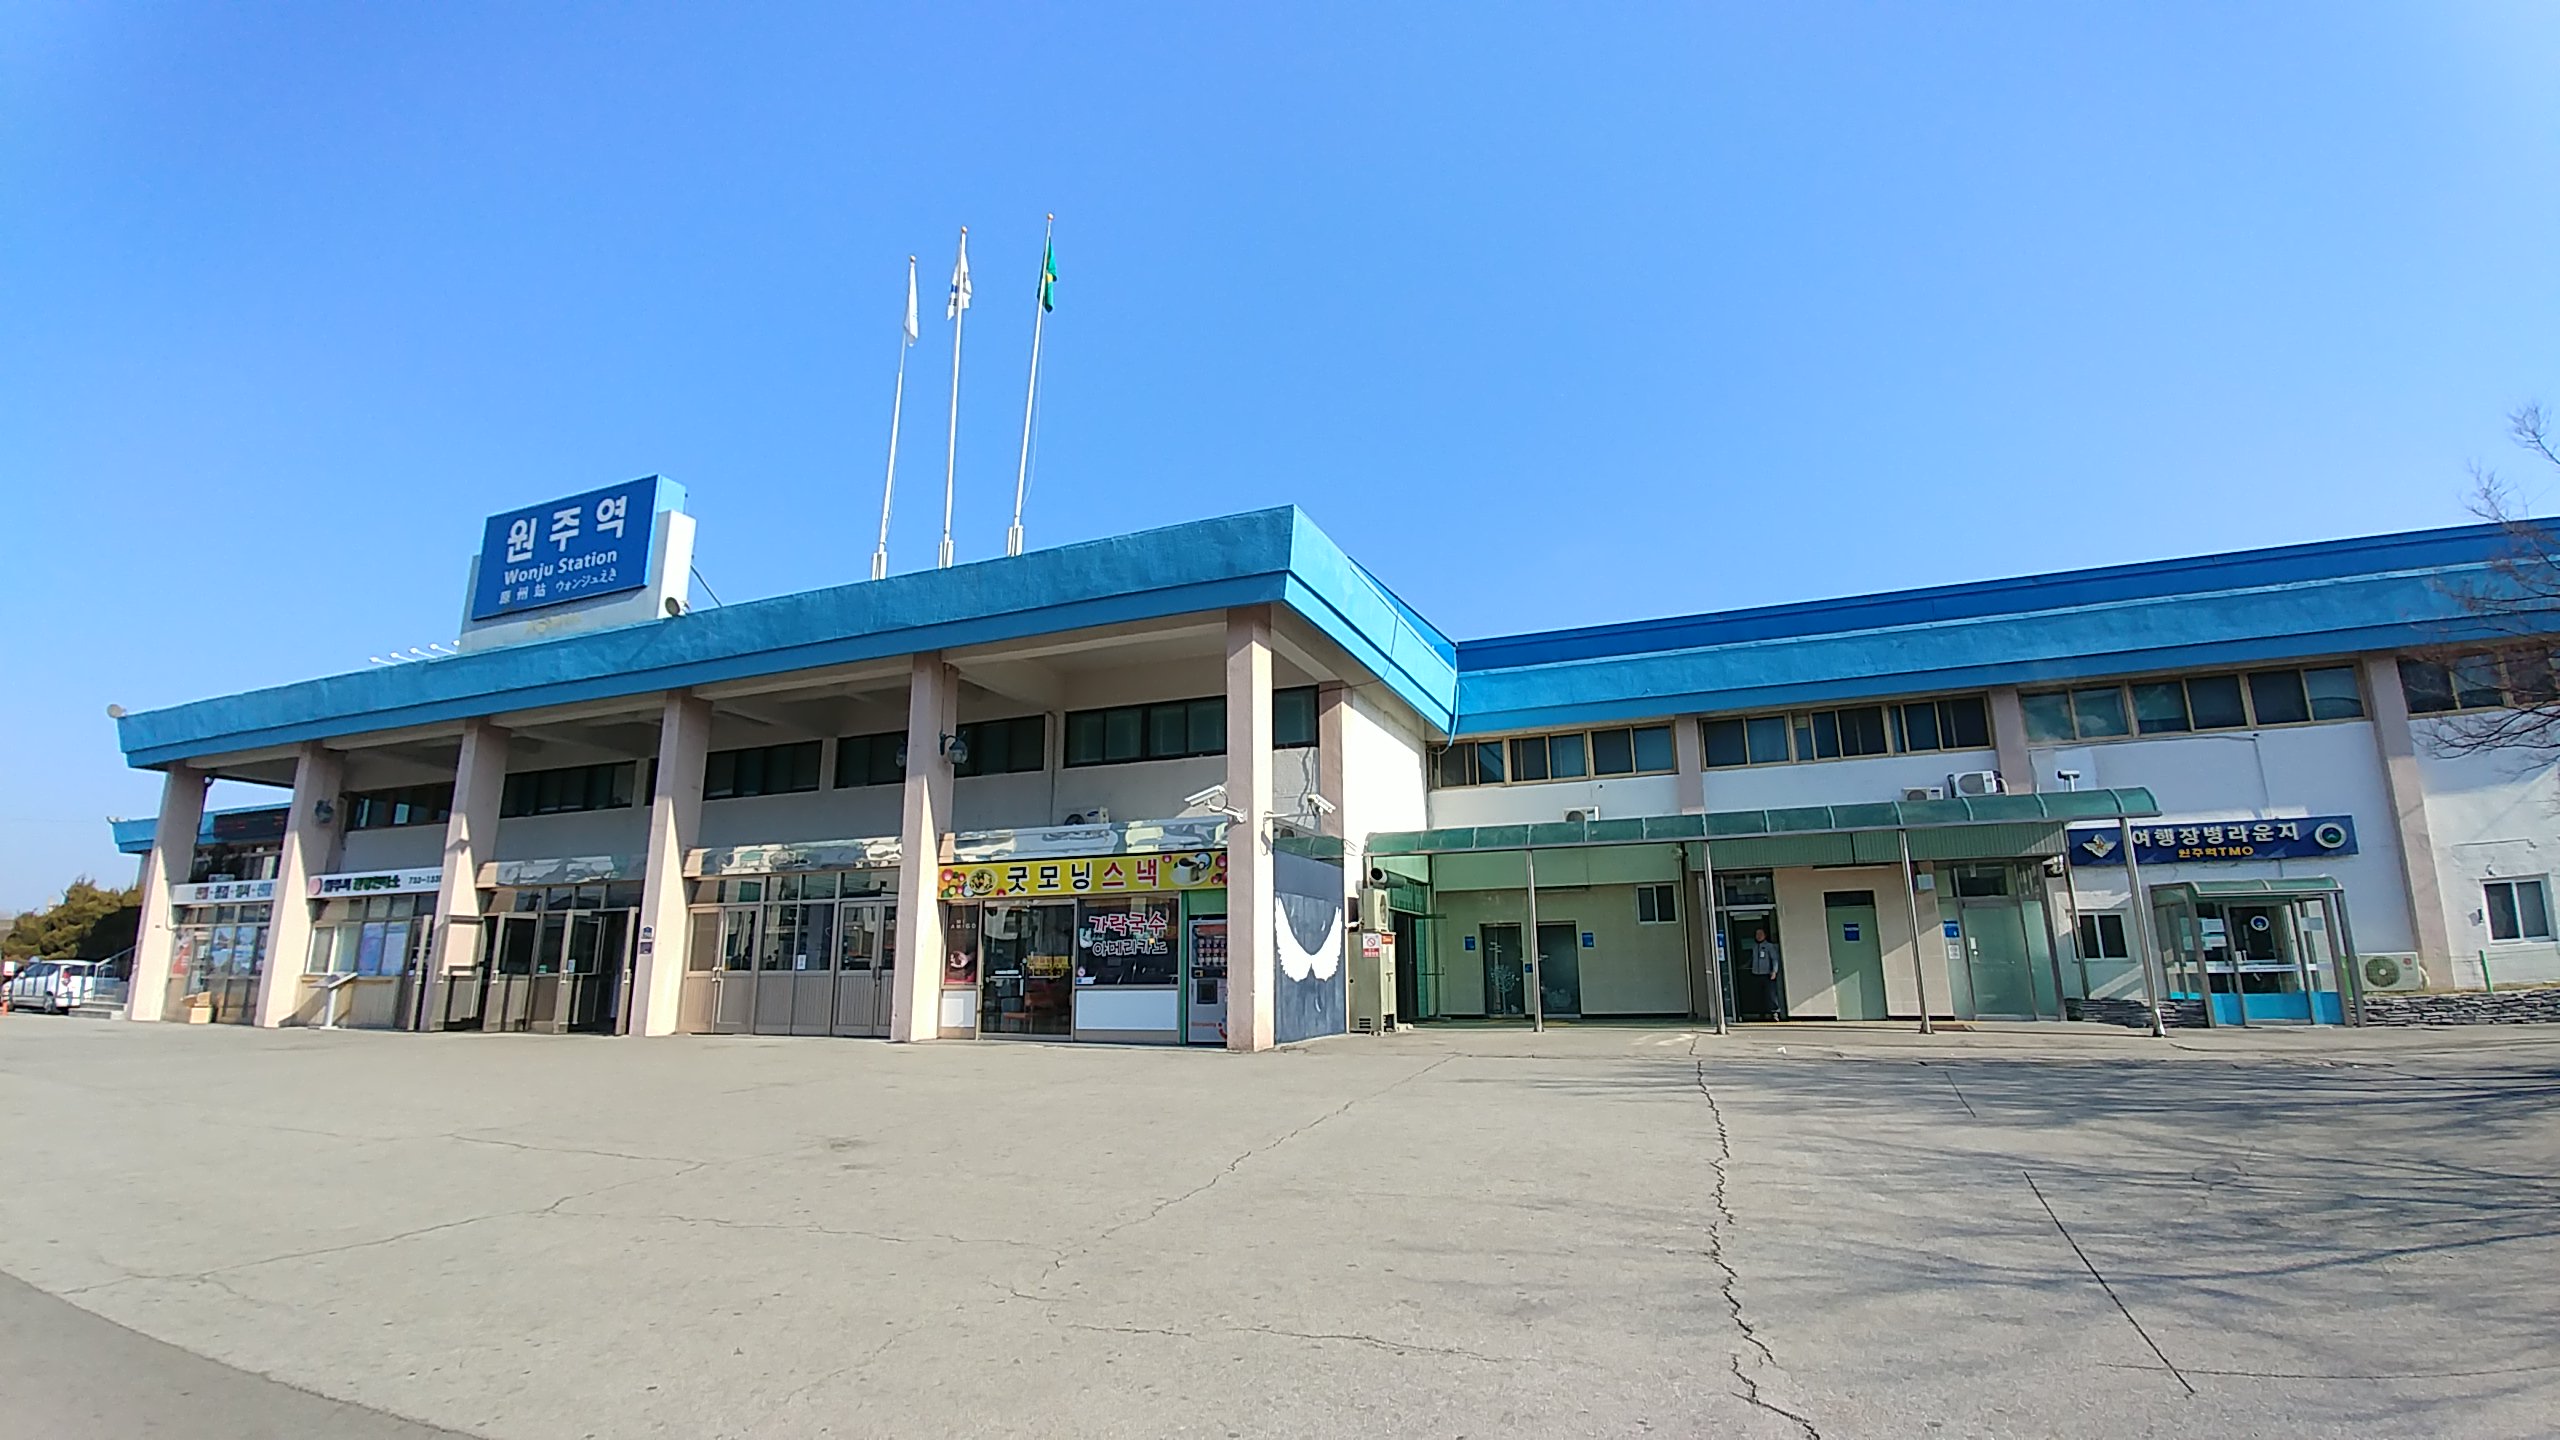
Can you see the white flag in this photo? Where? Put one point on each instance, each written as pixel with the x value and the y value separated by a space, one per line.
pixel 911 299
pixel 959 281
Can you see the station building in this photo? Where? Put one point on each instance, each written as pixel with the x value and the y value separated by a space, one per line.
pixel 1183 786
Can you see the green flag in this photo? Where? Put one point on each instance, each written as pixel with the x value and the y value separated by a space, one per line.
pixel 1049 277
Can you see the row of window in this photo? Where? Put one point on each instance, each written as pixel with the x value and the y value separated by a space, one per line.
pixel 2198 702
pixel 2479 682
pixel 406 805
pixel 1961 722
pixel 1565 755
pixel 1181 729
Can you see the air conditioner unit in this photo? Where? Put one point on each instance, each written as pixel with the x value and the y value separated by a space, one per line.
pixel 1974 782
pixel 1585 813
pixel 2391 972
pixel 1914 794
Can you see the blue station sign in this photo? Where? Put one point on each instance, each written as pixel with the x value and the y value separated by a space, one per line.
pixel 2292 837
pixel 570 549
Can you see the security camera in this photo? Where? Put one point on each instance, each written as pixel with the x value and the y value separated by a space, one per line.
pixel 1323 806
pixel 1214 796
pixel 2070 778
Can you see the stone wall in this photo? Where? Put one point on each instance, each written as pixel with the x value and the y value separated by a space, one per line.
pixel 2134 1015
pixel 2538 1006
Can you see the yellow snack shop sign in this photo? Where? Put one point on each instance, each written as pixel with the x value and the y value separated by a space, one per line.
pixel 1098 875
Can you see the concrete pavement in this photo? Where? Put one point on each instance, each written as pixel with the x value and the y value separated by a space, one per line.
pixel 1610 1231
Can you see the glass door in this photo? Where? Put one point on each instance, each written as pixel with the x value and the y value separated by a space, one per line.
pixel 1505 991
pixel 1027 984
pixel 1559 969
pixel 865 954
pixel 813 968
pixel 733 1000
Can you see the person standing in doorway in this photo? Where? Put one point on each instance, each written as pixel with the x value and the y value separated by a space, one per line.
pixel 1765 973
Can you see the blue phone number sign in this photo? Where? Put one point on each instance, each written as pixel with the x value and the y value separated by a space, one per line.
pixel 571 549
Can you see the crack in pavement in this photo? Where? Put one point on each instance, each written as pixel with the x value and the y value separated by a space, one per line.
pixel 2068 1239
pixel 2388 1376
pixel 1730 1280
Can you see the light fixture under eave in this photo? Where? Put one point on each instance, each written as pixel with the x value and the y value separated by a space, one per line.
pixel 115 712
pixel 675 607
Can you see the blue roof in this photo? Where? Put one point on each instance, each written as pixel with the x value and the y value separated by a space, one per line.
pixel 1272 556
pixel 133 837
pixel 2254 606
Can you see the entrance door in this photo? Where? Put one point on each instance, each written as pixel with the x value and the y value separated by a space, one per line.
pixel 866 953
pixel 733 1006
pixel 812 964
pixel 1754 967
pixel 1857 953
pixel 1559 970
pixel 593 979
pixel 506 971
pixel 1504 994
pixel 1995 952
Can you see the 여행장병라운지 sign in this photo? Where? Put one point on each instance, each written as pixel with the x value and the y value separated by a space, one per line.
pixel 571 549
pixel 2285 837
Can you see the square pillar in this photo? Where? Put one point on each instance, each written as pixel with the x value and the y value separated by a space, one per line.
pixel 2009 738
pixel 171 861
pixel 1689 746
pixel 1333 706
pixel 2406 789
pixel 470 837
pixel 933 711
pixel 311 832
pixel 675 818
pixel 1252 949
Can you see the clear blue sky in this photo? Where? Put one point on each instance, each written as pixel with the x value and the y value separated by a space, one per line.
pixel 1552 315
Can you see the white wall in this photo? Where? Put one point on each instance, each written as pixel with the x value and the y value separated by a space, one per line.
pixel 2493 817
pixel 1870 780
pixel 409 847
pixel 2332 769
pixel 1630 968
pixel 1383 755
pixel 590 832
pixel 859 812
pixel 1804 941
pixel 1539 802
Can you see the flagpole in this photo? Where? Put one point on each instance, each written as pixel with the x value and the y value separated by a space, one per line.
pixel 897 402
pixel 1039 312
pixel 951 454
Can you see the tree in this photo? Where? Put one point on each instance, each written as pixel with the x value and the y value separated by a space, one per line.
pixel 87 923
pixel 2496 687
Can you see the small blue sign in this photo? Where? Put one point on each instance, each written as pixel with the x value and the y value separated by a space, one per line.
pixel 575 548
pixel 1588 943
pixel 2292 837
pixel 1849 931
pixel 1953 930
pixel 1468 943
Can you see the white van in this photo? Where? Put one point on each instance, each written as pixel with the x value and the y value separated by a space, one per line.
pixel 56 985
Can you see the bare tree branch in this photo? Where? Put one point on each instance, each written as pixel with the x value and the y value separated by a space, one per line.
pixel 2501 686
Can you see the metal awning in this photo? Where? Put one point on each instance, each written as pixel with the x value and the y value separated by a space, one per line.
pixel 2251 889
pixel 1987 827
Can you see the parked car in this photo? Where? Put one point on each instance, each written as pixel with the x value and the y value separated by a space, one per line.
pixel 56 985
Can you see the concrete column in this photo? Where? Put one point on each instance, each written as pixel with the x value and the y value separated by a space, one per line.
pixel 1691 749
pixel 2420 880
pixel 470 838
pixel 933 711
pixel 1333 704
pixel 172 859
pixel 675 817
pixel 2009 737
pixel 311 832
pixel 1252 949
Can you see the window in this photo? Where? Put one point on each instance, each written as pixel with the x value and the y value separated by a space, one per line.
pixel 1293 718
pixel 871 759
pixel 572 788
pixel 2518 676
pixel 1959 723
pixel 1169 730
pixel 2518 910
pixel 2177 706
pixel 407 805
pixel 784 769
pixel 1004 747
pixel 2102 937
pixel 1963 723
pixel 1565 755
pixel 1657 904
